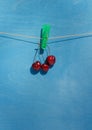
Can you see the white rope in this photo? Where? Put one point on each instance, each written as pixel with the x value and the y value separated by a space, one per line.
pixel 51 38
pixel 19 35
pixel 69 36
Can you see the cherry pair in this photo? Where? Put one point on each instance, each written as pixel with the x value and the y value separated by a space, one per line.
pixel 50 61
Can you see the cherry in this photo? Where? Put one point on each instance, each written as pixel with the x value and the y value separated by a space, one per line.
pixel 45 67
pixel 51 60
pixel 36 65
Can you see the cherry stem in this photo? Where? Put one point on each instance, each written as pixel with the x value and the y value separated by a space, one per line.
pixel 36 52
pixel 35 55
pixel 48 50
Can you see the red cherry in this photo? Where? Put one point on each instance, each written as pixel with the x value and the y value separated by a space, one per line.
pixel 51 60
pixel 45 67
pixel 36 65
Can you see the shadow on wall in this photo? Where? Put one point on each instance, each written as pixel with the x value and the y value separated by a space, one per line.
pixel 18 39
pixel 33 72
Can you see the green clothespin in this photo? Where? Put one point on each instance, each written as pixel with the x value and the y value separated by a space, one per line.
pixel 44 36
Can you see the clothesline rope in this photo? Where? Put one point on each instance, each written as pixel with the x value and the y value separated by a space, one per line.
pixel 50 38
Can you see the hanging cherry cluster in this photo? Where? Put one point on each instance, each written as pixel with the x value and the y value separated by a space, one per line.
pixel 50 59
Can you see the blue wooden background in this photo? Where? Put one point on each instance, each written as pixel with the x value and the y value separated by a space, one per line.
pixel 60 99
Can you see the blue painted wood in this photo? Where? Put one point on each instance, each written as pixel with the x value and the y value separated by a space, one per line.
pixel 61 99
